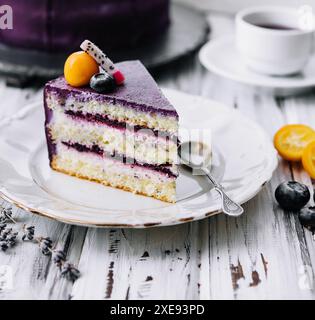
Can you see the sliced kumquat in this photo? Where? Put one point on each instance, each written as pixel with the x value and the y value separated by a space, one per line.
pixel 308 159
pixel 292 139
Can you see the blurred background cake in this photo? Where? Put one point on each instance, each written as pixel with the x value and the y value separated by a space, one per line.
pixel 44 32
pixel 60 26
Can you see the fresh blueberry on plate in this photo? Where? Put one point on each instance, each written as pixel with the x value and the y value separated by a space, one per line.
pixel 102 82
pixel 307 218
pixel 292 195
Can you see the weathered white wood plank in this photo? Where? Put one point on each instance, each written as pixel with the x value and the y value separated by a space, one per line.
pixel 239 249
pixel 71 240
pixel 301 110
pixel 139 264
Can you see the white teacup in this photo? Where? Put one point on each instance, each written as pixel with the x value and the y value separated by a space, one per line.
pixel 274 40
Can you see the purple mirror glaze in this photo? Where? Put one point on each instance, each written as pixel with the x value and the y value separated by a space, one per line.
pixel 139 91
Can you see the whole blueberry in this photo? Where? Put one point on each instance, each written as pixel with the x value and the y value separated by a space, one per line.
pixel 307 217
pixel 292 195
pixel 102 83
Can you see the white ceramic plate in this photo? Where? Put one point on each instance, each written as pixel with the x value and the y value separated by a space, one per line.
pixel 221 57
pixel 244 159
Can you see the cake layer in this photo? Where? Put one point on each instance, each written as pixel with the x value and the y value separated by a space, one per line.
pixel 109 172
pixel 103 119
pixel 138 102
pixel 166 169
pixel 142 145
pixel 118 115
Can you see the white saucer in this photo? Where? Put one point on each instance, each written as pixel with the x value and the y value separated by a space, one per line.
pixel 244 160
pixel 221 57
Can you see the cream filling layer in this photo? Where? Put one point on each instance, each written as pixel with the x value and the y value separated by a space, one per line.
pixel 141 146
pixel 116 112
pixel 109 172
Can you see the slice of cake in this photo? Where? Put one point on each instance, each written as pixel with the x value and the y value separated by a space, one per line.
pixel 126 138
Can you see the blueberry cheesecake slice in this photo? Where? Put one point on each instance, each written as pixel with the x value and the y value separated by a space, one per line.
pixel 115 129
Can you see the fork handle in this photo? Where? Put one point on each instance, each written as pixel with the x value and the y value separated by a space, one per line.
pixel 229 207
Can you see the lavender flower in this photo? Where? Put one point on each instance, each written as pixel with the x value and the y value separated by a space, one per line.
pixel 11 239
pixel 7 238
pixel 3 245
pixel 5 232
pixel 59 257
pixel 5 215
pixel 2 226
pixel 70 272
pixel 29 232
pixel 45 245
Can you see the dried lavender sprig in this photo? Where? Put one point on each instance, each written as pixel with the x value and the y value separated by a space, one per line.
pixel 67 270
pixel 70 272
pixel 59 258
pixel 4 246
pixel 28 232
pixel 7 237
pixel 6 215
pixel 45 244
pixel 2 226
pixel 6 233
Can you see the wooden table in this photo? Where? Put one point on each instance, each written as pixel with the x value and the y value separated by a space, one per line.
pixel 265 254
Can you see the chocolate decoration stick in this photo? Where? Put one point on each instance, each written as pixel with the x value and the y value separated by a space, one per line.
pixel 101 58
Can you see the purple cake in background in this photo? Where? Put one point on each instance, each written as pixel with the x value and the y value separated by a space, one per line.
pixel 59 25
pixel 125 139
